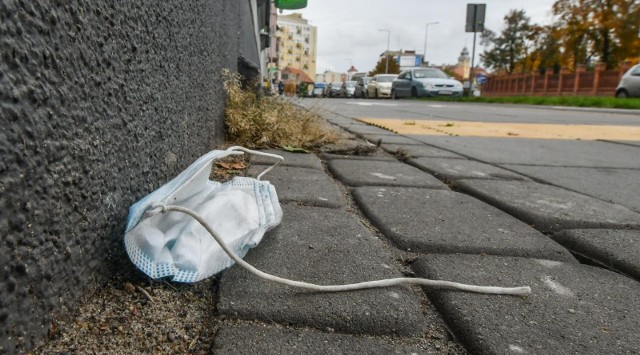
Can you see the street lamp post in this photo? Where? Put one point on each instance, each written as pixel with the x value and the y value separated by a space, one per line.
pixel 426 33
pixel 386 70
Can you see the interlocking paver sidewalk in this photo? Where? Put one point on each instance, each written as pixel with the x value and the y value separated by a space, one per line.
pixel 300 160
pixel 391 139
pixel 432 221
pixel 614 249
pixel 573 308
pixel 273 339
pixel 458 169
pixel 488 235
pixel 307 186
pixel 322 246
pixel 381 173
pixel 417 151
pixel 550 208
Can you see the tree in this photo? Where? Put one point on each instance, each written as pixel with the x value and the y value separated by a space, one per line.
pixel 574 24
pixel 546 51
pixel 394 68
pixel 605 30
pixel 509 49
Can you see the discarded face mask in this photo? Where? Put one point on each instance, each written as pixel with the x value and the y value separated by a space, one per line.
pixel 210 225
pixel 174 244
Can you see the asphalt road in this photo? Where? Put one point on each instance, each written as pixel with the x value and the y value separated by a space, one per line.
pixel 592 151
pixel 432 110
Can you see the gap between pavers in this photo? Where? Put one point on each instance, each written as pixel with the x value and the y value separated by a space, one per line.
pixel 247 338
pixel 390 139
pixel 301 160
pixel 458 169
pixel 549 208
pixel 366 129
pixel 419 151
pixel 377 155
pixel 433 221
pixel 617 250
pixel 381 173
pixel 573 308
pixel 322 246
pixel 311 187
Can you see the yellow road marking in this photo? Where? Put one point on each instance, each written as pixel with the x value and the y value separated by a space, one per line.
pixel 501 129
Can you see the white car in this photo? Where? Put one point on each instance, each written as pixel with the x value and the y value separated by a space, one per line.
pixel 380 86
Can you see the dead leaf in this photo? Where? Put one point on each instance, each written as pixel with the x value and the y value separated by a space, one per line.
pixel 232 165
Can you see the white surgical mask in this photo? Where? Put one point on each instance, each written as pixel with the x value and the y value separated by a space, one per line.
pixel 210 225
pixel 174 244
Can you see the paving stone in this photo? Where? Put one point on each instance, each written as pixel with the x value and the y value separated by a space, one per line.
pixel 272 339
pixel 418 151
pixel 456 169
pixel 618 250
pixel 381 173
pixel 302 160
pixel 376 155
pixel 573 308
pixel 306 186
pixel 322 246
pixel 391 139
pixel 432 221
pixel 342 120
pixel 620 186
pixel 368 129
pixel 347 122
pixel 549 208
pixel 550 152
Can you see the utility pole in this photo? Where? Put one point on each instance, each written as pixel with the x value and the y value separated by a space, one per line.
pixel 475 23
pixel 426 33
pixel 386 70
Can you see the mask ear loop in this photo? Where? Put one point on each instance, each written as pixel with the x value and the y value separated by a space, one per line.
pixel 514 291
pixel 257 152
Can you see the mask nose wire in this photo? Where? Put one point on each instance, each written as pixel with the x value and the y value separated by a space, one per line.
pixel 514 291
pixel 256 152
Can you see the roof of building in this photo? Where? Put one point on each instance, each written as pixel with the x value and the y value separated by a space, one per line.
pixel 302 76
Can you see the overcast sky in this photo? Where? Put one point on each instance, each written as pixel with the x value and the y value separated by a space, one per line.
pixel 348 29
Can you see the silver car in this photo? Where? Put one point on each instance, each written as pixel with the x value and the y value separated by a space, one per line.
pixel 424 82
pixel 629 85
pixel 348 89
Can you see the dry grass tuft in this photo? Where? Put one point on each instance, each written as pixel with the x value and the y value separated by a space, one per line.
pixel 269 122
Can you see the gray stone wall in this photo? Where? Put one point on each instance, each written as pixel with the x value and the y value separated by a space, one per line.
pixel 101 102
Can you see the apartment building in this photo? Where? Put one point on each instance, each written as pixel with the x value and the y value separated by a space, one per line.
pixel 297 44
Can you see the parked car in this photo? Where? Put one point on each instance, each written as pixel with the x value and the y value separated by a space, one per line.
pixel 318 89
pixel 419 82
pixel 380 86
pixel 361 86
pixel 629 85
pixel 348 89
pixel 334 89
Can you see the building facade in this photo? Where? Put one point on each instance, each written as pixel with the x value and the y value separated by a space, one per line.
pixel 297 44
pixel 330 77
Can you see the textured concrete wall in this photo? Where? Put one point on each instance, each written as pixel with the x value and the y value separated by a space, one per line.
pixel 100 103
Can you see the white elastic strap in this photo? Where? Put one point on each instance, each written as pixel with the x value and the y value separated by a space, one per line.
pixel 515 291
pixel 257 152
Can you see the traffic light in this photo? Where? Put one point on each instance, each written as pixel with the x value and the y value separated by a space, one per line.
pixel 291 4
